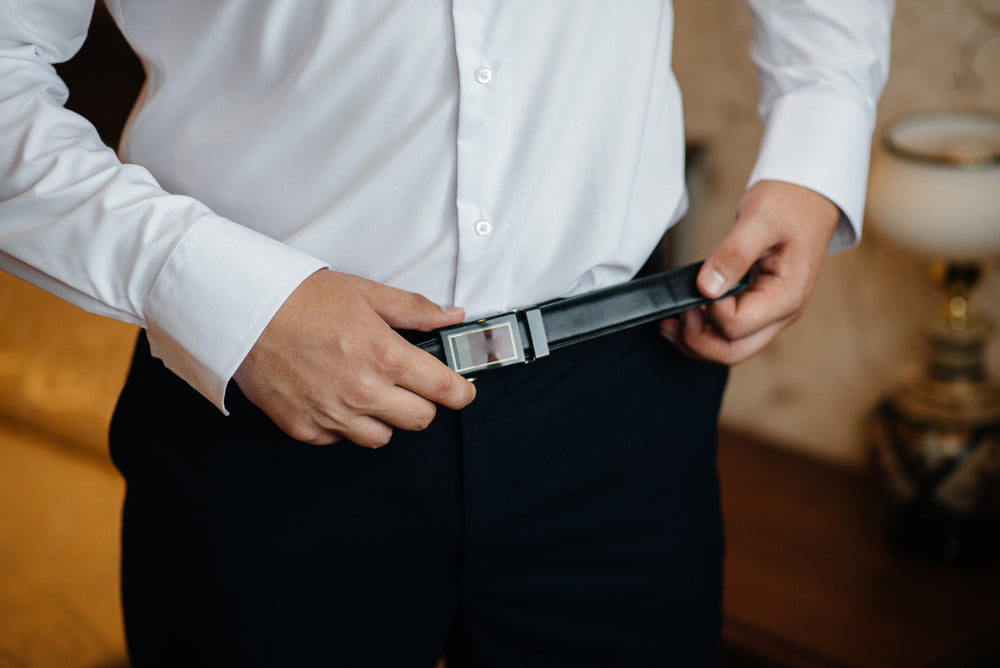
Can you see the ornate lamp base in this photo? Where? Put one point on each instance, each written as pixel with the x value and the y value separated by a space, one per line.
pixel 946 482
pixel 938 442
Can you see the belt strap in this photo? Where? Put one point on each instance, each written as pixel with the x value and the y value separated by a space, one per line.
pixel 525 335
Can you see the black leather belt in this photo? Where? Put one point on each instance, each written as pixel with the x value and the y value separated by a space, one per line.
pixel 525 335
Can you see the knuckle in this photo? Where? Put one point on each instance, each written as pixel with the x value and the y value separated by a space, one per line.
pixel 310 433
pixel 418 302
pixel 736 330
pixel 373 439
pixel 739 258
pixel 798 304
pixel 360 396
pixel 391 360
pixel 423 418
pixel 727 333
pixel 723 324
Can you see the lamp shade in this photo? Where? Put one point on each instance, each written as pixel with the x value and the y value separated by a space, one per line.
pixel 935 184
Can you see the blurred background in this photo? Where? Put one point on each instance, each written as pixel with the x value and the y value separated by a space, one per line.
pixel 800 410
pixel 861 333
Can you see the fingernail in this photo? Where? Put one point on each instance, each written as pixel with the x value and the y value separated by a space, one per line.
pixel 453 310
pixel 715 283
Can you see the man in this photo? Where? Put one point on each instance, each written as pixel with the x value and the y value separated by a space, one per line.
pixel 309 167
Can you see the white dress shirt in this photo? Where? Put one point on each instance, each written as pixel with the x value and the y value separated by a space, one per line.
pixel 489 154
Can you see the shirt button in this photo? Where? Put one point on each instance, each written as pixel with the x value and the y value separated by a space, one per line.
pixel 484 75
pixel 483 227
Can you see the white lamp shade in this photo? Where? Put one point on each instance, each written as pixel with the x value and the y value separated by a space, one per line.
pixel 935 184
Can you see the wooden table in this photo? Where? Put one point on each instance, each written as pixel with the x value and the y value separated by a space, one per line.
pixel 810 580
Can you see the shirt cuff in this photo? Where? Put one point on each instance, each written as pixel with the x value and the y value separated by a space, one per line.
pixel 216 293
pixel 821 142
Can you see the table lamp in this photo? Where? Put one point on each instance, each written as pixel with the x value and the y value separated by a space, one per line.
pixel 935 190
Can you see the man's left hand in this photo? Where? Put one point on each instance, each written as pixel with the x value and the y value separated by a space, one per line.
pixel 781 232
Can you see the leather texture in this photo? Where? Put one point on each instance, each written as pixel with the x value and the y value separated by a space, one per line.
pixel 588 316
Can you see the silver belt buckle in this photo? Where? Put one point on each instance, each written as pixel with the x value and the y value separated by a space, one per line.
pixel 486 344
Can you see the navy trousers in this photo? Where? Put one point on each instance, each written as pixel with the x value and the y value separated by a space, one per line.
pixel 568 517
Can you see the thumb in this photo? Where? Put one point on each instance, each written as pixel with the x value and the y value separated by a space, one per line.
pixel 734 257
pixel 408 310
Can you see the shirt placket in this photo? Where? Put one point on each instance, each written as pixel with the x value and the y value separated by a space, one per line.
pixel 477 229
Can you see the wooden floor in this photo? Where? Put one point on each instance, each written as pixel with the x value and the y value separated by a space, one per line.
pixel 811 581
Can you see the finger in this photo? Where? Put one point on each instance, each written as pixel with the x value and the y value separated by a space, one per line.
pixel 733 258
pixel 366 431
pixel 324 437
pixel 409 310
pixel 312 430
pixel 406 410
pixel 700 338
pixel 672 329
pixel 771 298
pixel 687 320
pixel 366 416
pixel 425 375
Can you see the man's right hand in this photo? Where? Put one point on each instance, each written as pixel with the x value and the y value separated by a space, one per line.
pixel 329 365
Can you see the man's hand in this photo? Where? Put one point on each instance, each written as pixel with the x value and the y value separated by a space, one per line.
pixel 329 365
pixel 781 231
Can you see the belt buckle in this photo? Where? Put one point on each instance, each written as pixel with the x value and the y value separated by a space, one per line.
pixel 490 343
